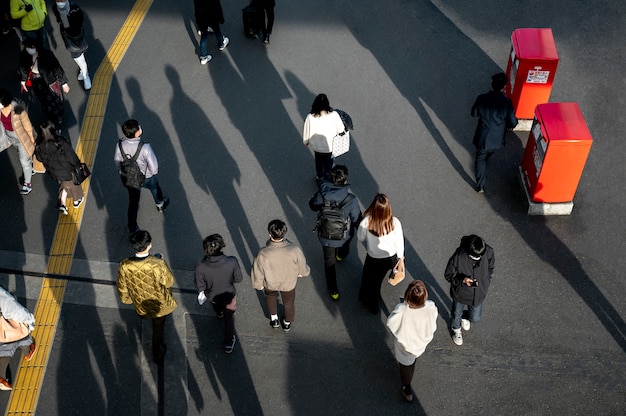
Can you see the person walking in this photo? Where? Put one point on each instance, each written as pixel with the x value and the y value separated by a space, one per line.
pixel 383 237
pixel 321 126
pixel 145 281
pixel 32 16
pixel 495 117
pixel 215 279
pixel 70 19
pixel 60 160
pixel 148 166
pixel 16 315
pixel 16 126
pixel 209 16
pixel 40 71
pixel 335 230
pixel 277 268
pixel 265 8
pixel 413 323
pixel 469 272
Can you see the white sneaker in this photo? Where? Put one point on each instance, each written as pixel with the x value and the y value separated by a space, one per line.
pixel 87 83
pixel 465 324
pixel 457 337
pixel 224 44
pixel 205 59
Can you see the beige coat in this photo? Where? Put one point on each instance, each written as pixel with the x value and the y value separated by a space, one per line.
pixel 278 265
pixel 23 129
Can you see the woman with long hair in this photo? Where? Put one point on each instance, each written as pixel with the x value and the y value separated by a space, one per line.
pixel 382 234
pixel 321 126
pixel 413 323
pixel 60 160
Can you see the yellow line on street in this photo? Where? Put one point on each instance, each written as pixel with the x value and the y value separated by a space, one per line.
pixel 30 374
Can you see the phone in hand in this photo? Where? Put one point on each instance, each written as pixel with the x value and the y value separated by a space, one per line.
pixel 474 283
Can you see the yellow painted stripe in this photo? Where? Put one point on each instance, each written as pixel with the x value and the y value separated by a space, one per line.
pixel 30 375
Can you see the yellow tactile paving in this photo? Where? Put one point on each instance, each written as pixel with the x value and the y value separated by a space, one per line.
pixel 30 375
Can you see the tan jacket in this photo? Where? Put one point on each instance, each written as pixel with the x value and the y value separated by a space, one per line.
pixel 278 265
pixel 146 283
pixel 22 127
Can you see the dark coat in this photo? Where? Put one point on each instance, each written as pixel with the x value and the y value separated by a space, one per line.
pixel 337 194
pixel 58 157
pixel 208 13
pixel 461 266
pixel 495 117
pixel 49 67
pixel 216 275
pixel 75 18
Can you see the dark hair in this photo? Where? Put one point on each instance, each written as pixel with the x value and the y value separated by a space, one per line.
pixel 473 245
pixel 5 97
pixel 130 128
pixel 320 104
pixel 32 43
pixel 140 240
pixel 339 175
pixel 277 229
pixel 381 216
pixel 213 245
pixel 499 81
pixel 416 294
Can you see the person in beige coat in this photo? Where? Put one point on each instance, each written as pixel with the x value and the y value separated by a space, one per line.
pixel 18 130
pixel 276 268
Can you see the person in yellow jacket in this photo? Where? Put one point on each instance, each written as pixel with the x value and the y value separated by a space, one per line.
pixel 32 15
pixel 146 281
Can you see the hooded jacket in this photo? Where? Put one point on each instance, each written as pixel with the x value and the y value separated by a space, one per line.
pixel 461 266
pixel 337 194
pixel 58 157
pixel 216 275
pixel 33 20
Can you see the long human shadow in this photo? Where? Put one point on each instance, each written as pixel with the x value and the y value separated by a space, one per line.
pixel 214 169
pixel 450 100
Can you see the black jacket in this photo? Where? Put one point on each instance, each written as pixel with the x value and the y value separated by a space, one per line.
pixel 461 266
pixel 74 17
pixel 336 194
pixel 49 67
pixel 58 157
pixel 495 116
pixel 208 13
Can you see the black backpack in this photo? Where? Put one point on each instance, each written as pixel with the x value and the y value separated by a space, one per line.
pixel 332 223
pixel 131 175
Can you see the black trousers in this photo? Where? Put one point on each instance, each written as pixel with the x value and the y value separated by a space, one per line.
pixel 374 271
pixel 158 333
pixel 330 260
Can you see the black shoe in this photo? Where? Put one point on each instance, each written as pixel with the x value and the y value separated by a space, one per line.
pixel 286 326
pixel 274 323
pixel 220 315
pixel 266 39
pixel 480 189
pixel 163 207
pixel 229 348
pixel 407 394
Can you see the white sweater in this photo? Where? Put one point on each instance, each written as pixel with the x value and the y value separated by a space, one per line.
pixel 413 329
pixel 383 246
pixel 320 131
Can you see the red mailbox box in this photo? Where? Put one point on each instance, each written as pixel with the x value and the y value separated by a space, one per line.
pixel 556 152
pixel 531 69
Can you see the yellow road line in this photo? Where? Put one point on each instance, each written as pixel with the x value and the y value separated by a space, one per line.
pixel 30 375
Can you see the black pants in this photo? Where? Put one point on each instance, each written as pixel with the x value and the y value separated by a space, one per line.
pixel 266 8
pixel 374 271
pixel 158 333
pixel 323 165
pixel 406 373
pixel 330 260
pixel 221 305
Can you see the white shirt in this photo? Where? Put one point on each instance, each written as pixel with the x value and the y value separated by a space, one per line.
pixel 383 246
pixel 320 131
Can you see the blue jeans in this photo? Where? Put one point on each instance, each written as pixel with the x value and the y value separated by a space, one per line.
pixel 151 183
pixel 473 313
pixel 25 160
pixel 205 35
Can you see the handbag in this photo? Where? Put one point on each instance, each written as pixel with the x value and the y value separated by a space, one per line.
pixel 341 143
pixel 75 44
pixel 80 173
pixel 55 87
pixel 398 273
pixel 11 331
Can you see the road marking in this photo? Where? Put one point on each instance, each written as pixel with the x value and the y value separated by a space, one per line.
pixel 30 375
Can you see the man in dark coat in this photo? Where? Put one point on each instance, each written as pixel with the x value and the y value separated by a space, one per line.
pixel 495 117
pixel 209 16
pixel 469 272
pixel 336 191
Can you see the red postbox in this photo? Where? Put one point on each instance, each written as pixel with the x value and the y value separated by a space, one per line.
pixel 531 69
pixel 556 152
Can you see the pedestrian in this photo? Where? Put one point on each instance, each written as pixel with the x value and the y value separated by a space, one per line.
pixel 339 215
pixel 321 126
pixel 382 234
pixel 413 323
pixel 32 15
pixel 16 316
pixel 148 166
pixel 265 8
pixel 60 160
pixel 277 268
pixel 40 71
pixel 16 127
pixel 146 281
pixel 469 272
pixel 495 117
pixel 70 19
pixel 209 17
pixel 215 279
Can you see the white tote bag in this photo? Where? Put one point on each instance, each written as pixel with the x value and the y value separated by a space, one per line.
pixel 341 144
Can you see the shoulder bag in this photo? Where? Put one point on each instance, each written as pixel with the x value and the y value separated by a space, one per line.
pixel 11 331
